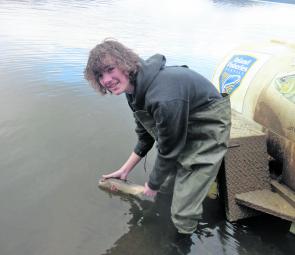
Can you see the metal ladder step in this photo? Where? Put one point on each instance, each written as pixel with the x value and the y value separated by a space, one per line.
pixel 267 201
pixel 284 191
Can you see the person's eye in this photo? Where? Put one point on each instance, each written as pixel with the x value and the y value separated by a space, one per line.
pixel 110 69
pixel 97 74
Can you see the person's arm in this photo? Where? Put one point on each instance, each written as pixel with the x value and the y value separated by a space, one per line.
pixel 172 122
pixel 145 141
pixel 126 168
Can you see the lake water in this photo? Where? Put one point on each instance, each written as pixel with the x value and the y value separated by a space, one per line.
pixel 58 136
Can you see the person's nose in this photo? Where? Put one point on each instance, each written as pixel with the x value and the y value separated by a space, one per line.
pixel 105 79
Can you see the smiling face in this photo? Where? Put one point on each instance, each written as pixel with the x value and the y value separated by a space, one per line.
pixel 114 79
pixel 112 67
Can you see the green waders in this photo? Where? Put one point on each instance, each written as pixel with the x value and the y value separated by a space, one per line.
pixel 198 163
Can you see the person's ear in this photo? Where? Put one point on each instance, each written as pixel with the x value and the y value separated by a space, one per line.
pixel 126 73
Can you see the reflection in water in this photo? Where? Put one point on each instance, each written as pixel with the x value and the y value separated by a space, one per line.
pixel 238 3
pixel 64 66
pixel 57 135
pixel 243 3
pixel 150 230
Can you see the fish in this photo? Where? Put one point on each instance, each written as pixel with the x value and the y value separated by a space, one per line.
pixel 126 187
pixel 123 186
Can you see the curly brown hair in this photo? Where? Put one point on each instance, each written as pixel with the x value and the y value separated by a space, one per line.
pixel 108 52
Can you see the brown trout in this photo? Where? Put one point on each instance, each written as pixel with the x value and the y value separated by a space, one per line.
pixel 123 186
pixel 127 187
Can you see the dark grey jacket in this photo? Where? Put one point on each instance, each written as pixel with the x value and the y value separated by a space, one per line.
pixel 168 95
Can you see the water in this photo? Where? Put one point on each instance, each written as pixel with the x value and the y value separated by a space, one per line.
pixel 58 136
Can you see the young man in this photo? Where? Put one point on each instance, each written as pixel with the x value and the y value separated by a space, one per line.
pixel 180 110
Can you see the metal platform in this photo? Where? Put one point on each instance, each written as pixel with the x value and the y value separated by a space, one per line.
pixel 245 169
pixel 245 166
pixel 269 202
pixel 284 191
pixel 245 182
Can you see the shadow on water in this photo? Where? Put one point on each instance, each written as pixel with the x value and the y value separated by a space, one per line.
pixel 150 229
pixel 151 232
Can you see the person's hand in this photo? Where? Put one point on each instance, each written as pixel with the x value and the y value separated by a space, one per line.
pixel 120 174
pixel 148 191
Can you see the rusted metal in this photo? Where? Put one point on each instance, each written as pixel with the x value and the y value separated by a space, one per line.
pixel 275 110
pixel 261 82
pixel 245 178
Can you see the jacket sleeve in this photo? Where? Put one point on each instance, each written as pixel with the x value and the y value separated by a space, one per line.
pixel 145 141
pixel 171 122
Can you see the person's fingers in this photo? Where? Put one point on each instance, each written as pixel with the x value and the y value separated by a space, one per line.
pixel 115 175
pixel 148 191
pixel 106 176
